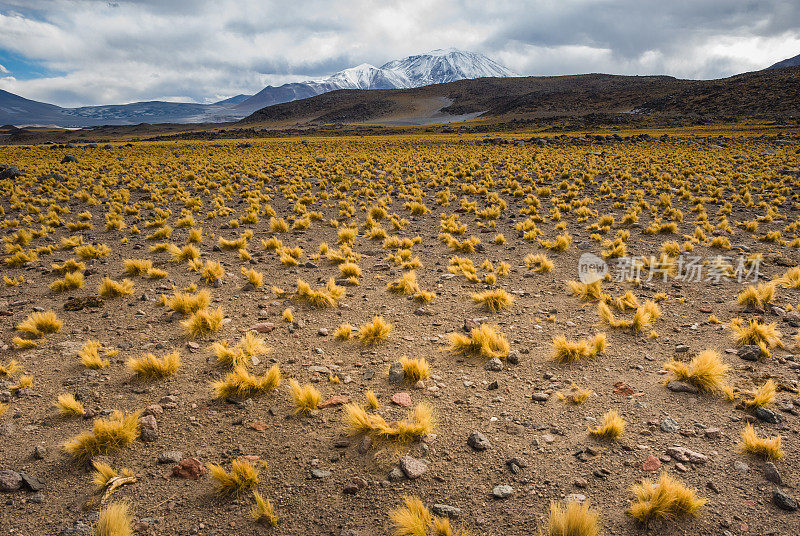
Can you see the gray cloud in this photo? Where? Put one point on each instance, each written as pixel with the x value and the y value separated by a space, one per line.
pixel 123 51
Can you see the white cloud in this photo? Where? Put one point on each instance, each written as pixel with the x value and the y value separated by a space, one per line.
pixel 124 51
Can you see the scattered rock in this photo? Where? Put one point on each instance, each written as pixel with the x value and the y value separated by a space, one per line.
pixel 336 400
pixel 501 491
pixel 148 428
pixel 749 352
pixel 540 396
pixel 771 473
pixel 651 464
pixel 39 452
pixel 767 415
pixel 444 510
pixel 170 456
pixel 396 373
pixel 669 425
pixel 395 475
pixel 494 364
pixel 189 468
pixel 783 500
pixel 412 467
pixel 478 441
pixel 678 386
pixel 10 480
pixel 741 467
pixel 402 399
pixel 31 482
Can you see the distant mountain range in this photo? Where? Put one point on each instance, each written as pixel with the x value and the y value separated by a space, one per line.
pixel 436 67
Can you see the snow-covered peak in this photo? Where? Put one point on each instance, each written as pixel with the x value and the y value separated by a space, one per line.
pixel 445 65
pixel 364 76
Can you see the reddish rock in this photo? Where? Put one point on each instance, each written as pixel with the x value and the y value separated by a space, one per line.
pixel 336 400
pixel 263 327
pixel 189 468
pixel 258 426
pixel 651 464
pixel 402 399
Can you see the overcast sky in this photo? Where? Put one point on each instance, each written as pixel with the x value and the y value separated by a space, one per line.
pixel 81 52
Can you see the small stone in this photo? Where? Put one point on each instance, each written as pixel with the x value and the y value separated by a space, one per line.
pixel 501 491
pixel 580 482
pixel 365 445
pixel 669 425
pixel 322 332
pixel 336 400
pixel 678 386
pixel 396 373
pixel 767 415
pixel 444 510
pixel 513 357
pixel 783 500
pixel 39 452
pixel 741 467
pixel 749 352
pixel 651 464
pixel 402 399
pixel 478 441
pixel 320 473
pixel 681 349
pixel 170 456
pixel 31 482
pixel 540 396
pixel 148 428
pixel 713 433
pixel 412 467
pixel 10 480
pixel 494 364
pixel 771 473
pixel 189 468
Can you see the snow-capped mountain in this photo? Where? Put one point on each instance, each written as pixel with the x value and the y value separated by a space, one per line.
pixel 436 67
pixel 441 66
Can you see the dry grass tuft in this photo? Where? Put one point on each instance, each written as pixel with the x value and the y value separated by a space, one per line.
pixel 756 297
pixel 763 396
pixel 572 519
pixel 569 351
pixel 39 324
pixel 306 397
pixel 114 520
pixel 263 511
pixel 577 395
pixel 152 367
pixel 706 371
pixel 374 332
pixel 486 341
pixel 328 296
pixel 243 477
pixel 110 289
pixel 203 322
pixel 611 427
pixel 754 332
pixel 538 263
pixel 493 300
pixel 415 369
pixel 240 383
pixel 666 498
pixel 765 447
pixel 90 355
pixel 416 426
pixel 114 432
pixel 187 303
pixel 71 281
pixel 343 332
pixel 69 407
pixel 9 369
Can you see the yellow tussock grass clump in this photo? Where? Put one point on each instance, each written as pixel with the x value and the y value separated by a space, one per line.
pixel 374 332
pixel 152 367
pixel 306 397
pixel 565 350
pixel 240 383
pixel 574 518
pixel 665 498
pixel 611 426
pixel 39 324
pixel 116 431
pixel 415 370
pixel 263 511
pixel 69 407
pixel 765 447
pixel 706 371
pixel 416 426
pixel 486 341
pixel 493 300
pixel 114 520
pixel 203 322
pixel 242 477
pixel 110 289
